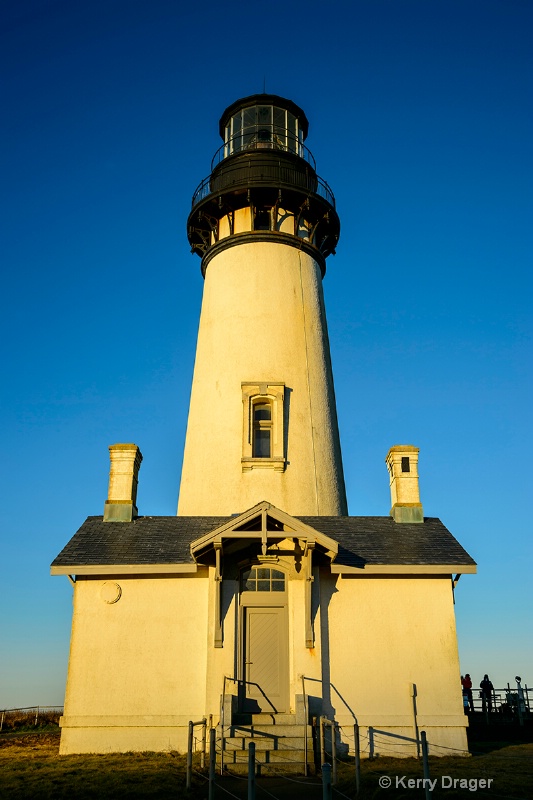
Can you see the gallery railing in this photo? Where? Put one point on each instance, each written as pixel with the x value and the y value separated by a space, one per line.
pixel 263 138
pixel 285 175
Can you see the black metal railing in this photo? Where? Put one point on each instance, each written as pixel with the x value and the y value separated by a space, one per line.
pixel 510 702
pixel 263 138
pixel 317 186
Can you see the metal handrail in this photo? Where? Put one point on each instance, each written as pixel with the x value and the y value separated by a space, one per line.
pixel 30 708
pixel 222 714
pixel 516 701
pixel 252 683
pixel 203 190
pixel 279 139
pixel 332 686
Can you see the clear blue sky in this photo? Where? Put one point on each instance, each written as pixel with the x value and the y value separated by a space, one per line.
pixel 420 120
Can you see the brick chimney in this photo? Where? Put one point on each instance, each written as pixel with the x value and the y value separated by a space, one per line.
pixel 120 505
pixel 402 463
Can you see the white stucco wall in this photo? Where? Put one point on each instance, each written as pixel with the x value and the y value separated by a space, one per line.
pixel 384 634
pixel 141 668
pixel 137 667
pixel 262 320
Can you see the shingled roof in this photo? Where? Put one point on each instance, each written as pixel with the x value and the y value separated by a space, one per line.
pixel 380 540
pixel 363 542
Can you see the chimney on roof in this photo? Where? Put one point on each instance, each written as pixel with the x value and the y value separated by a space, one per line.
pixel 120 505
pixel 402 463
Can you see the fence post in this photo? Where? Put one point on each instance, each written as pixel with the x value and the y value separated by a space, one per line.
pixel 425 761
pixel 485 708
pixel 36 715
pixel 520 707
pixel 222 723
pixel 212 761
pixel 370 742
pixel 322 742
pixel 414 695
pixel 2 720
pixel 357 758
pixel 189 756
pixel 251 771
pixel 306 721
pixel 326 782
pixel 204 738
pixel 333 728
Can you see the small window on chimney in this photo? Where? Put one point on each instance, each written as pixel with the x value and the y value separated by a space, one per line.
pixel 405 464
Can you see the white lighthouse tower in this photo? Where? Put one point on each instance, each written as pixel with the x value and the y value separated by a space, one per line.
pixel 261 604
pixel 262 420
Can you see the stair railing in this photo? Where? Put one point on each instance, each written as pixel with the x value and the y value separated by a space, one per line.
pixel 332 686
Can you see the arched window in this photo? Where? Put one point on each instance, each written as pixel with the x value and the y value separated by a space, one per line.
pixel 262 429
pixel 263 579
pixel 264 433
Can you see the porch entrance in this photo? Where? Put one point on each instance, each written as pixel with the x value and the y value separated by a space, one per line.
pixel 264 645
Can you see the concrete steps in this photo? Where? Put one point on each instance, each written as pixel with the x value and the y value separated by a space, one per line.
pixel 279 745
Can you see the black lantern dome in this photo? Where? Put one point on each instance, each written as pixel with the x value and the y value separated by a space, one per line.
pixel 263 184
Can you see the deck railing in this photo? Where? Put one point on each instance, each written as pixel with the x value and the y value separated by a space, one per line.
pixel 263 139
pixel 510 702
pixel 317 185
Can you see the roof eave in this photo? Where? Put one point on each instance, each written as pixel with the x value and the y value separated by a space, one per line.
pixel 125 569
pixel 405 569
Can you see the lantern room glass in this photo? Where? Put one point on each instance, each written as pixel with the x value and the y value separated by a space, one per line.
pixel 262 127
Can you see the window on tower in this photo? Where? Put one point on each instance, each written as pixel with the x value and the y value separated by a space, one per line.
pixel 262 433
pixel 262 220
pixel 261 126
pixel 264 425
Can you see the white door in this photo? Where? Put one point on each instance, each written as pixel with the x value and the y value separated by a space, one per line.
pixel 266 659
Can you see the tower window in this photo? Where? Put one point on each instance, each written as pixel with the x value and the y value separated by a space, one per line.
pixel 406 467
pixel 262 220
pixel 264 440
pixel 263 126
pixel 262 432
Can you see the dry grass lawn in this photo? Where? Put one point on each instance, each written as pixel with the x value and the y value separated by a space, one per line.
pixel 30 768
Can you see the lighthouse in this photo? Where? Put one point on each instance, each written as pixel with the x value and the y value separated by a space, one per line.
pixel 262 420
pixel 261 604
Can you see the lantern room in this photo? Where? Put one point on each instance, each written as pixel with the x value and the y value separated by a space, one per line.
pixel 263 182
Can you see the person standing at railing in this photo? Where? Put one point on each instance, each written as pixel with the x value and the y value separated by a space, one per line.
pixel 486 692
pixel 466 683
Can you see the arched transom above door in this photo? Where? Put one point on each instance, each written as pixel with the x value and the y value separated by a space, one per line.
pixel 263 579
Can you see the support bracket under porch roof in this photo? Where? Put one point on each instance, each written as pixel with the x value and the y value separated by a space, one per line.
pixel 265 524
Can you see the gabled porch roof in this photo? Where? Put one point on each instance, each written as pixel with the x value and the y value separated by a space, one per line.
pixel 266 524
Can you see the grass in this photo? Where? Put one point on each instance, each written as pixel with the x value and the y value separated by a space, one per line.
pixel 30 720
pixel 30 767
